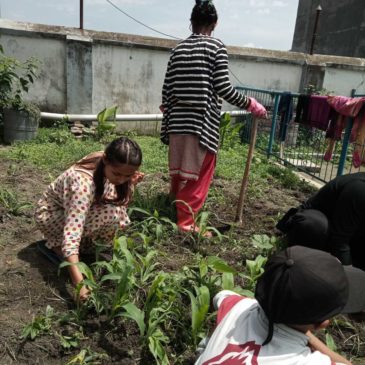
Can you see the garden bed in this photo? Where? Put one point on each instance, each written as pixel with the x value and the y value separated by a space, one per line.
pixel 30 283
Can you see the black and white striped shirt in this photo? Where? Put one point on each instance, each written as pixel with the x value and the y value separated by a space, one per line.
pixel 196 79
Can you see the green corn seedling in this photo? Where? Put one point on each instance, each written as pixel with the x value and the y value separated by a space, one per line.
pixel 211 272
pixel 254 269
pixel 200 303
pixel 153 223
pixel 146 266
pixel 39 325
pixel 137 315
pixel 150 320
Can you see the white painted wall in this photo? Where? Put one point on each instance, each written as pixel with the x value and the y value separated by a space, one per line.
pixel 128 70
pixel 342 81
pixel 49 90
pixel 130 77
pixel 266 75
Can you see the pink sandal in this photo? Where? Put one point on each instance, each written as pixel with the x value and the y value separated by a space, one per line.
pixel 194 229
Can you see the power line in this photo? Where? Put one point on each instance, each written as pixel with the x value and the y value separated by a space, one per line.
pixel 157 31
pixel 236 77
pixel 139 22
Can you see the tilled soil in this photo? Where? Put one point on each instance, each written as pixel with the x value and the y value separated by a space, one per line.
pixel 29 282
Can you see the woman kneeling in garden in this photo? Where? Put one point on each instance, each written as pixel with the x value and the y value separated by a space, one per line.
pixel 88 201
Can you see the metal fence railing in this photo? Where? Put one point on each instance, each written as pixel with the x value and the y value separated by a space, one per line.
pixel 300 146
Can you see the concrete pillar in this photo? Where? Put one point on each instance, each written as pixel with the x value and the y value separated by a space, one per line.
pixel 79 71
pixel 312 75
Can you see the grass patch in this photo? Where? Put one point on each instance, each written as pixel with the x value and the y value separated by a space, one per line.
pixel 11 203
pixel 55 149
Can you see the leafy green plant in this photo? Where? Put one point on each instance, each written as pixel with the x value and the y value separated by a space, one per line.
pixel 156 311
pixel 39 325
pixel 202 229
pixel 201 281
pixel 229 132
pixel 267 244
pixel 70 341
pixel 254 269
pixel 156 344
pixel 126 272
pixel 89 282
pixel 153 223
pixel 200 303
pixel 347 332
pixel 88 357
pixel 212 272
pixel 59 134
pixel 15 79
pixel 223 126
pixel 151 199
pixel 11 203
pixel 330 342
pixel 106 119
pixel 13 170
pixel 202 222
pixel 285 176
pixel 314 90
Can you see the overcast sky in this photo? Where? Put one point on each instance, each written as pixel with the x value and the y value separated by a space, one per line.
pixel 251 23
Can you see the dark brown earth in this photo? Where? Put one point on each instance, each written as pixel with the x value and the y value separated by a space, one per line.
pixel 29 282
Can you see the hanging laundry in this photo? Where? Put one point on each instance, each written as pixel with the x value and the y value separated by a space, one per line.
pixel 285 111
pixel 336 126
pixel 333 134
pixel 353 107
pixel 313 111
pixel 319 112
pixel 301 113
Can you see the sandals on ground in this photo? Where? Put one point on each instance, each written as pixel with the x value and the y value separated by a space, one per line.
pixel 194 229
pixel 50 254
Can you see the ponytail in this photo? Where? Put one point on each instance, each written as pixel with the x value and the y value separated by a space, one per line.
pixel 204 14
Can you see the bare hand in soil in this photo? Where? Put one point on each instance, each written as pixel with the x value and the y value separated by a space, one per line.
pixel 83 295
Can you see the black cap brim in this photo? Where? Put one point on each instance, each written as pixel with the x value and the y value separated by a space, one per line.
pixel 356 299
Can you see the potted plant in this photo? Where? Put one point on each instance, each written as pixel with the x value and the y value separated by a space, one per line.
pixel 19 118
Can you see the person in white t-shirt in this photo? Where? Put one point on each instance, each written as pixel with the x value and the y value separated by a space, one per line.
pixel 300 290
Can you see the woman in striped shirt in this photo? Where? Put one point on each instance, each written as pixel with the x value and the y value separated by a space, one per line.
pixel 196 80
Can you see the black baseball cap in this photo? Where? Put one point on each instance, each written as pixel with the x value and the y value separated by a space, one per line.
pixel 301 286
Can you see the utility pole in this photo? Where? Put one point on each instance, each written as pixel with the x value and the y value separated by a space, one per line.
pixel 81 14
pixel 314 35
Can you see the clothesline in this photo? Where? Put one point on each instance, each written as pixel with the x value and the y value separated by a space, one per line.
pixel 329 114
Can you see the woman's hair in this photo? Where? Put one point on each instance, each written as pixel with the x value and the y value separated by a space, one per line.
pixel 203 14
pixel 120 151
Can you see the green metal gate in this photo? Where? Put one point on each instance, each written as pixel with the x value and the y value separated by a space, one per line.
pixel 301 147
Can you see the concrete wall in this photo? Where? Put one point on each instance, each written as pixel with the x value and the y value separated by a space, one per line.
pixel 264 74
pixel 85 71
pixel 340 31
pixel 49 90
pixel 342 80
pixel 130 77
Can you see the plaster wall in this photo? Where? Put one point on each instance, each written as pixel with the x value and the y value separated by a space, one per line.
pixel 343 81
pixel 129 77
pixel 49 90
pixel 85 71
